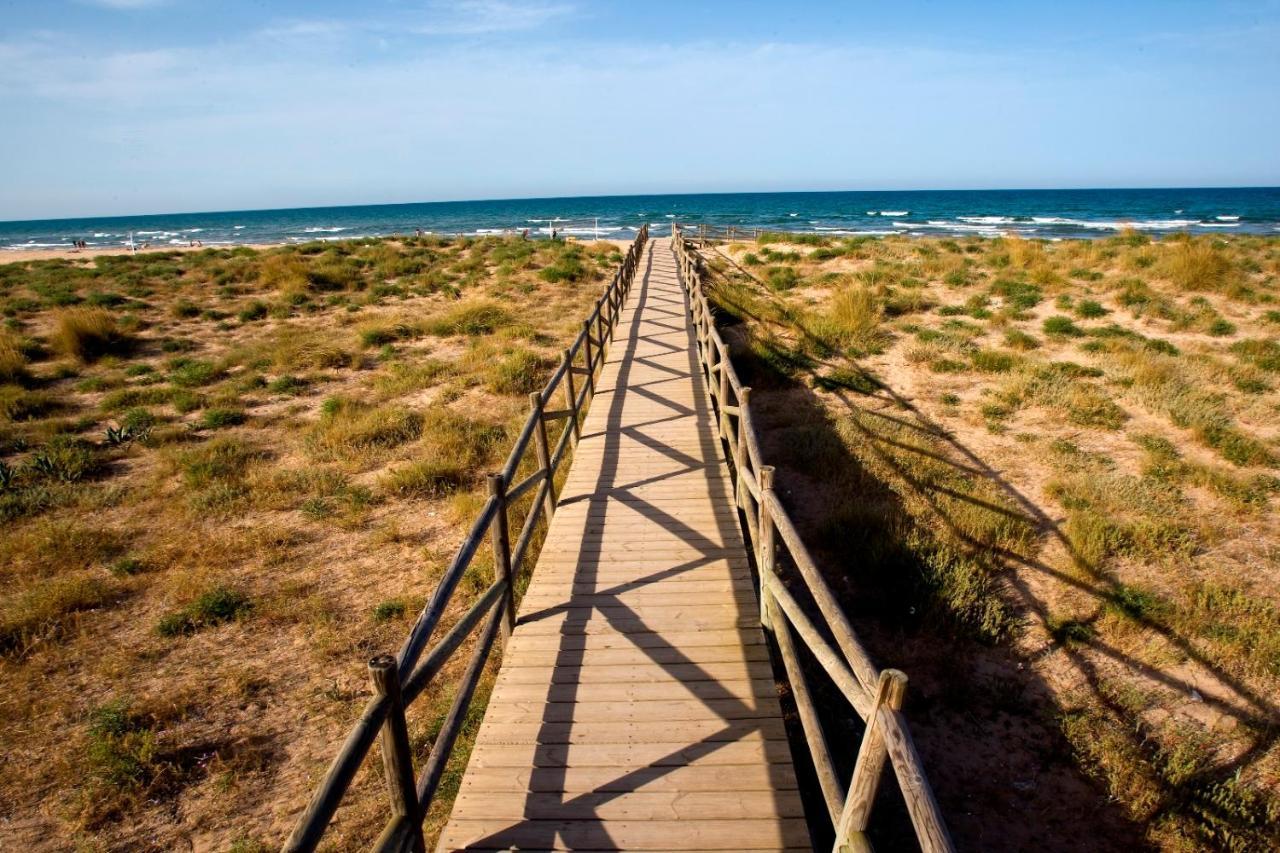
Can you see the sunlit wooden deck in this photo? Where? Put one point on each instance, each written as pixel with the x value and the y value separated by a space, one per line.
pixel 635 708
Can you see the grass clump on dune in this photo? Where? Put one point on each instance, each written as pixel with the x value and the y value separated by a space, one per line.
pixel 453 450
pixel 213 607
pixel 13 359
pixel 480 317
pixel 1198 264
pixel 350 429
pixel 88 334
pixel 41 610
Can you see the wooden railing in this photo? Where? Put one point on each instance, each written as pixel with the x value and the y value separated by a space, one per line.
pixel 703 232
pixel 876 695
pixel 399 680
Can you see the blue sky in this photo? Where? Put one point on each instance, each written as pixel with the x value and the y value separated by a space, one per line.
pixel 141 106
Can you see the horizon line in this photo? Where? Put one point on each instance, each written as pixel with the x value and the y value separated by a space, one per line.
pixel 629 195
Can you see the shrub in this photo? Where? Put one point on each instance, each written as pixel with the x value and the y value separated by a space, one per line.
pixel 215 606
pixel 385 611
pixel 350 429
pixel 88 334
pixel 454 449
pixel 288 384
pixel 854 316
pixel 1060 326
pixel 218 418
pixel 1198 264
pixel 42 609
pixel 13 359
pixel 480 317
pixel 1020 340
pixel 19 404
pixel 66 459
pixel 992 361
pixel 1089 309
pixel 518 373
pixel 781 278
pixel 193 373
pixel 567 267
pixel 255 310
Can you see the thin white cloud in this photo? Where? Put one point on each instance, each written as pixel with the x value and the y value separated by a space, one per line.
pixel 478 17
pixel 125 4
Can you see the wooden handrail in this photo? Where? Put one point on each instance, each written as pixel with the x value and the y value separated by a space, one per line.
pixel 400 680
pixel 875 696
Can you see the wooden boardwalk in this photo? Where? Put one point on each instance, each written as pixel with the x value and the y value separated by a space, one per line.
pixel 635 708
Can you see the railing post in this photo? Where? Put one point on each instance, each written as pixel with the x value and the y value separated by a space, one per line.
pixel 744 461
pixel 766 560
pixel 588 358
pixel 397 761
pixel 501 539
pixel 572 394
pixel 871 757
pixel 724 390
pixel 543 450
pixel 600 328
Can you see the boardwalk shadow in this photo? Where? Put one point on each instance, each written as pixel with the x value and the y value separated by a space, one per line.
pixel 987 725
pixel 661 342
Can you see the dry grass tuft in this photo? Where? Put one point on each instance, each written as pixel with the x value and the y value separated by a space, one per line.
pixel 88 334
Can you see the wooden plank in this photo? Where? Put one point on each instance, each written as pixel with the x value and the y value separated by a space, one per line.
pixel 631 711
pixel 751 749
pixel 494 833
pixel 687 777
pixel 745 690
pixel 632 674
pixel 629 805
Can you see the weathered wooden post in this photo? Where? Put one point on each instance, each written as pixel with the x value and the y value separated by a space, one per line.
pixel 744 460
pixel 572 395
pixel 871 757
pixel 397 761
pixel 587 358
pixel 543 450
pixel 766 560
pixel 501 539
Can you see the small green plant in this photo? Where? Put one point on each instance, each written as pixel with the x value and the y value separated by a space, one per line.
pixel 1090 309
pixel 220 418
pixel 390 609
pixel 1061 326
pixel 213 607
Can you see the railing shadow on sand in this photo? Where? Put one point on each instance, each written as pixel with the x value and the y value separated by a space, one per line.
pixel 875 695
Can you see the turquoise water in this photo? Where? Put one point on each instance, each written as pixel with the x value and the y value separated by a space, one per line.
pixel 1030 213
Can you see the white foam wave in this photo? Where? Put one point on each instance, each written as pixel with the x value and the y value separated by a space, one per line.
pixel 1219 224
pixel 237 227
pixel 988 220
pixel 1227 218
pixel 895 213
pixel 323 230
pixel 1110 225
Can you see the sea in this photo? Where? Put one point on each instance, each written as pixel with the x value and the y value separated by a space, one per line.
pixel 1046 214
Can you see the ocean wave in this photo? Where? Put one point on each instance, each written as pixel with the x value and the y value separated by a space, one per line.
pixel 988 220
pixel 1117 225
pixel 895 213
pixel 1218 224
pixel 319 229
pixel 964 228
pixel 237 227
pixel 1227 218
pixel 856 232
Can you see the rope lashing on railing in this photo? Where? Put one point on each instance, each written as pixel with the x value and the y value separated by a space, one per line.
pixel 876 695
